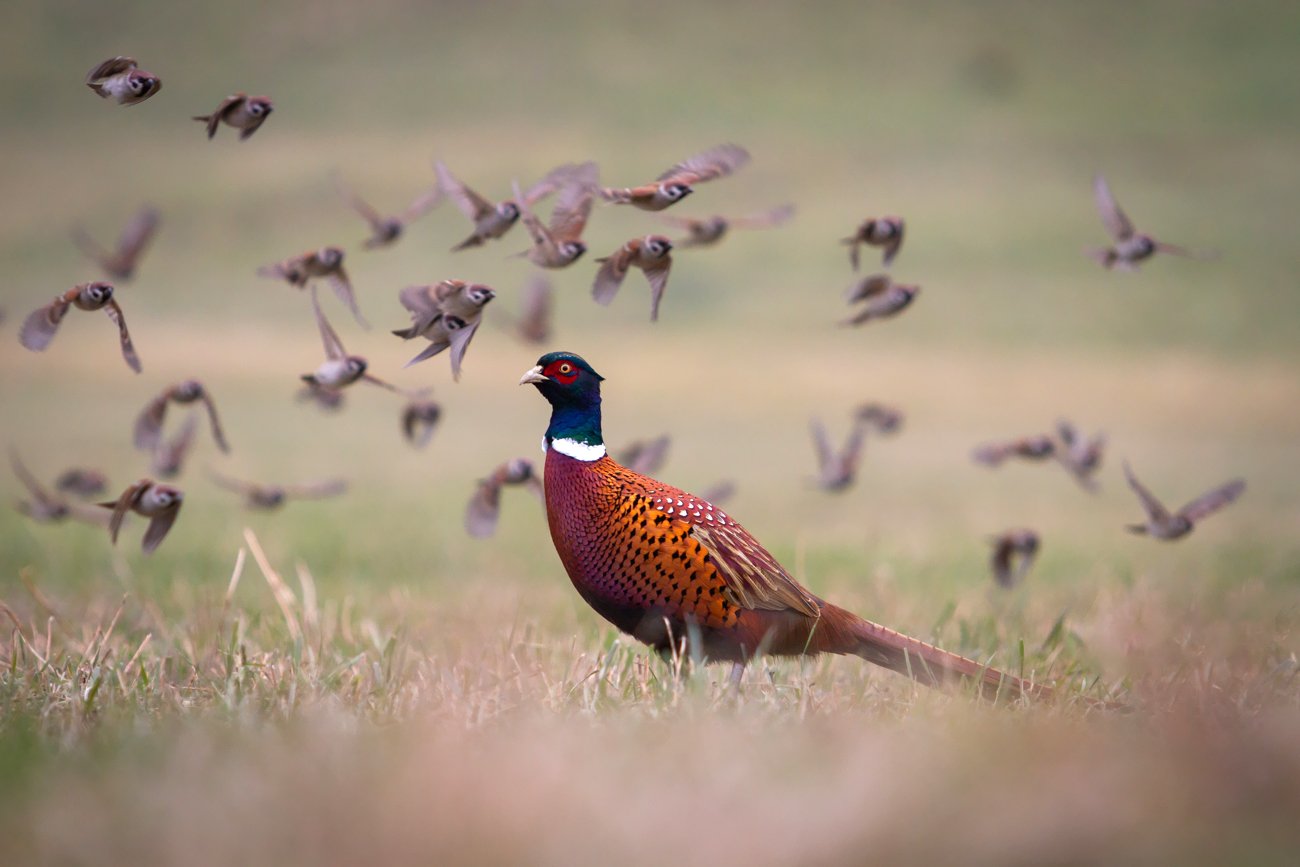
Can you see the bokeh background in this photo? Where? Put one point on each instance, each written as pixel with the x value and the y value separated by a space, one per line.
pixel 982 124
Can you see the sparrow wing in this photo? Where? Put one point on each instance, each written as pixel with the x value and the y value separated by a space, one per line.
pixel 34 487
pixel 158 528
pixel 891 249
pixel 1155 510
pixel 581 174
pixel 114 312
pixel 358 204
pixel 109 68
pixel 821 443
pixel 122 505
pixel 423 203
pixel 535 320
pixel 217 433
pixel 713 163
pixel 609 277
pixel 342 287
pixel 484 508
pixel 169 455
pixel 460 339
pixel 471 204
pixel 766 219
pixel 39 326
pixel 317 490
pixel 328 336
pixel 572 208
pixel 148 425
pixel 136 236
pixel 1000 561
pixel 1117 223
pixel 235 485
pixel 1212 501
pixel 657 274
pixel 868 287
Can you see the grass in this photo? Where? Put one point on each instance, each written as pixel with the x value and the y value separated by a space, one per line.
pixel 374 684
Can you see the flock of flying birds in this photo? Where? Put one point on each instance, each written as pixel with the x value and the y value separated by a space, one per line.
pixel 447 314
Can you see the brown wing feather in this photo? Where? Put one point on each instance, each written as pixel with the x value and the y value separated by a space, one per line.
pixel 41 324
pixel 610 277
pixel 754 579
pixel 328 336
pixel 112 66
pixel 713 163
pixel 1115 220
pixel 148 425
pixel 484 509
pixel 470 203
pixel 128 348
pixel 1154 508
pixel 123 505
pixel 217 433
pixel 1212 501
pixel 136 236
pixel 158 528
pixel 657 274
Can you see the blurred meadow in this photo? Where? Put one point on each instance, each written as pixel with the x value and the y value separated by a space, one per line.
pixel 358 679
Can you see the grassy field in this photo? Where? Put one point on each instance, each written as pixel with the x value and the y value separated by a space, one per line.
pixel 358 679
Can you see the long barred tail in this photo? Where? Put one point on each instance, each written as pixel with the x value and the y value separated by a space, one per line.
pixel 922 662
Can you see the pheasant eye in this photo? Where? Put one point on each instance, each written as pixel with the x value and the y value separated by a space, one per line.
pixel 566 368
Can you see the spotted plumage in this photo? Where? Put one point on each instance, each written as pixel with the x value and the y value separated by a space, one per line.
pixel 677 571
pixel 122 80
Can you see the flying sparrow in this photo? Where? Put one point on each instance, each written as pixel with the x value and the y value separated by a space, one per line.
pixel 245 113
pixel 885 420
pixel 148 426
pixel 384 230
pixel 120 262
pixel 39 327
pixel 260 496
pixel 1080 455
pixel 446 314
pixel 1130 246
pixel 46 507
pixel 1008 547
pixel 485 505
pixel 169 454
pixel 159 503
pixel 882 296
pixel 327 262
pixel 708 231
pixel 678 182
pixel 494 220
pixel 121 79
pixel 81 482
pixel 836 471
pixel 886 232
pixel 339 369
pixel 1161 524
pixel 558 244
pixel 535 318
pixel 652 254
pixel 419 419
pixel 1032 448
pixel 327 399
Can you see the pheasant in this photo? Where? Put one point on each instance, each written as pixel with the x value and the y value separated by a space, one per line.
pixel 674 571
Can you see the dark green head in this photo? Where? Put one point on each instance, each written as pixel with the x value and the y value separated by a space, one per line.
pixel 573 389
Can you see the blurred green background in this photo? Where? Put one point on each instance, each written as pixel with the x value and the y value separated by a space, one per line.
pixel 982 125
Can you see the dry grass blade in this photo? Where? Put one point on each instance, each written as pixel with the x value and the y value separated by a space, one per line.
pixel 283 595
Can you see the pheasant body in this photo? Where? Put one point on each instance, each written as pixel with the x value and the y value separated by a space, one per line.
pixel 673 570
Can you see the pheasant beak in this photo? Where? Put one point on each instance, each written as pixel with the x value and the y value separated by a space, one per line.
pixel 533 376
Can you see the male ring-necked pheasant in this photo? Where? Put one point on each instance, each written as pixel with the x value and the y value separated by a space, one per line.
pixel 666 566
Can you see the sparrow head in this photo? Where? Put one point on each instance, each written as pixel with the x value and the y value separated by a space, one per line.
pixel 656 245
pixel 1143 246
pixel 330 257
pixel 189 390
pixel 571 250
pixel 141 83
pixel 675 191
pixel 356 366
pixel 479 295
pixel 165 496
pixel 97 293
pixel 508 210
pixel 518 471
pixel 258 106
